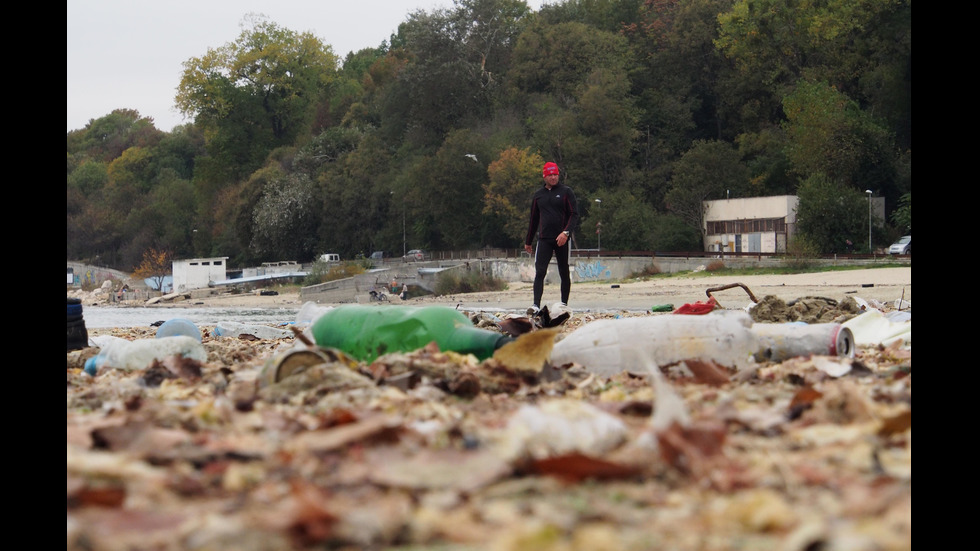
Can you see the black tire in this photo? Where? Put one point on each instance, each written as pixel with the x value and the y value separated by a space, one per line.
pixel 77 335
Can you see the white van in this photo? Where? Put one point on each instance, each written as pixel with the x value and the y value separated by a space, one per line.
pixel 329 257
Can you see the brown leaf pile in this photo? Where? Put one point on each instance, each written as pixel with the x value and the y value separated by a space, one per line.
pixel 436 450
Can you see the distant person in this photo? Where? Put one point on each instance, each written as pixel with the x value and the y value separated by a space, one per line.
pixel 554 215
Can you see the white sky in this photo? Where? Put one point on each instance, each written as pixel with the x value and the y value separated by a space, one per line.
pixel 128 54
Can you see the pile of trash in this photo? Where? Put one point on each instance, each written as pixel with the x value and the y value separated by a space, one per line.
pixel 587 431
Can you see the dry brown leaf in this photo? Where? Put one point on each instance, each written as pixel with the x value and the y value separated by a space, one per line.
pixel 804 398
pixel 529 352
pixel 576 467
pixel 896 424
pixel 693 449
pixel 104 495
pixel 708 372
pixel 380 427
pixel 312 520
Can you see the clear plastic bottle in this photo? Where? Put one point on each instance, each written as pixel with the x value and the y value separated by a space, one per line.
pixel 609 346
pixel 234 329
pixel 139 354
pixel 366 332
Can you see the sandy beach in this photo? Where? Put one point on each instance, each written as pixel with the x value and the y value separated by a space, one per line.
pixel 263 445
pixel 884 285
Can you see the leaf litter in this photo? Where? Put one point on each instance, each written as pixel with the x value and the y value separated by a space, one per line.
pixel 434 449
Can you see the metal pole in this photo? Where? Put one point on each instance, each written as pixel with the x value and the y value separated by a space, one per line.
pixel 869 192
pixel 598 228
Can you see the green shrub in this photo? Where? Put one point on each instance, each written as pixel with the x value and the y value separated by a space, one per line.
pixel 322 272
pixel 650 269
pixel 800 253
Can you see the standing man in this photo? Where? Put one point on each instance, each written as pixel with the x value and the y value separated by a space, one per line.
pixel 554 216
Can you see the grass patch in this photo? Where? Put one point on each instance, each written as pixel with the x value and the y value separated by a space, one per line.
pixel 649 270
pixel 322 272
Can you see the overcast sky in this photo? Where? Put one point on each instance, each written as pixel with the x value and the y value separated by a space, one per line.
pixel 128 53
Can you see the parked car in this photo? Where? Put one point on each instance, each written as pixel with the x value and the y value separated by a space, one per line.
pixel 415 255
pixel 380 255
pixel 902 246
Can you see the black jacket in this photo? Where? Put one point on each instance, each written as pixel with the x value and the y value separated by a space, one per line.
pixel 552 212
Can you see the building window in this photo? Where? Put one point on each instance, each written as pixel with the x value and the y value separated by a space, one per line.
pixel 759 225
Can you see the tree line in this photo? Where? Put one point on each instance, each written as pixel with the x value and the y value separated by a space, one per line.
pixel 435 138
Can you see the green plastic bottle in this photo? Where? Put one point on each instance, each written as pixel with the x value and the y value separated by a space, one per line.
pixel 366 332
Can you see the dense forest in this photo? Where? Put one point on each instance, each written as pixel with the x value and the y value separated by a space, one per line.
pixel 648 106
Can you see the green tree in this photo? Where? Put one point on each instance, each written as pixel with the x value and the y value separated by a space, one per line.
pixel 256 93
pixel 828 133
pixel 89 178
pixel 571 85
pixel 709 170
pixel 829 214
pixel 861 47
pixel 285 219
pixel 625 222
pixel 902 216
pixel 105 138
pixel 671 233
pixel 507 193
pixel 444 191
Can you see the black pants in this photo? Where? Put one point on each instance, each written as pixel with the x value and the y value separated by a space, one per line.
pixel 542 257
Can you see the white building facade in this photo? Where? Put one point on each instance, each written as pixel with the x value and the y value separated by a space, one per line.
pixel 198 273
pixel 750 225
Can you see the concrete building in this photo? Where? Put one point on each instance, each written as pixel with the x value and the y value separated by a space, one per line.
pixel 197 273
pixel 750 225
pixel 760 224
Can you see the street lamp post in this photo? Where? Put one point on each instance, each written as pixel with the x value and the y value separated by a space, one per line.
pixel 869 192
pixel 598 227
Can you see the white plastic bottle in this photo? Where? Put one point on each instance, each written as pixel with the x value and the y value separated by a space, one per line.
pixel 139 354
pixel 609 346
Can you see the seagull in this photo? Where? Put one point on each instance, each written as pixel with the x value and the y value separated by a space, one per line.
pixel 472 156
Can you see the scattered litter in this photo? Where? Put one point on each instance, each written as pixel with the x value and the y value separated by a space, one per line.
pixel 872 328
pixel 558 427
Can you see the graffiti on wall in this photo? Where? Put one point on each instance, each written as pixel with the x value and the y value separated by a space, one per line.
pixel 592 270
